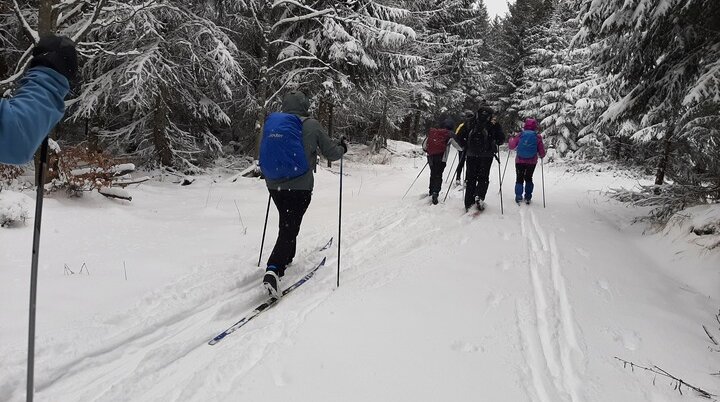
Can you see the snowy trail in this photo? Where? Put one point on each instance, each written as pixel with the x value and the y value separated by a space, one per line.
pixel 434 304
pixel 554 323
pixel 133 366
pixel 147 356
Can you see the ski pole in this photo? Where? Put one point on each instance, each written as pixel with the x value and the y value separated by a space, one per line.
pixel 450 184
pixel 542 174
pixel 413 183
pixel 340 221
pixel 451 166
pixel 447 178
pixel 506 164
pixel 262 243
pixel 502 210
pixel 34 271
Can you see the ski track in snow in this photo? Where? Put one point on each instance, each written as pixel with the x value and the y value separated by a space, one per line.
pixel 550 342
pixel 158 349
pixel 134 363
pixel 143 363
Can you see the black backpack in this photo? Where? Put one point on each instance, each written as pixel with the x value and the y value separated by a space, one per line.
pixel 477 141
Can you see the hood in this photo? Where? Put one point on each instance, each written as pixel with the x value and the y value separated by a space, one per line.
pixel 296 102
pixel 530 125
pixel 447 124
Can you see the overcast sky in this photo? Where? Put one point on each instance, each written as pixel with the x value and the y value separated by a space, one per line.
pixel 496 7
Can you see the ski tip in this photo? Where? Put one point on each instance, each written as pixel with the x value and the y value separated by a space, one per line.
pixel 323 261
pixel 327 245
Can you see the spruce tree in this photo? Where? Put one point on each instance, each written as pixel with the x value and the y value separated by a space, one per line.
pixel 663 56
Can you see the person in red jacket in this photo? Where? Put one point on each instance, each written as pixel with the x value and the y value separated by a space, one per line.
pixel 436 147
pixel 529 146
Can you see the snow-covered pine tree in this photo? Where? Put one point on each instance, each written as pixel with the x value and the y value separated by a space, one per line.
pixel 513 37
pixel 155 74
pixel 561 88
pixel 664 58
pixel 452 36
pixel 324 47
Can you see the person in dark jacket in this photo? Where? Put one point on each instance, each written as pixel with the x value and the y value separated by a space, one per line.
pixel 38 104
pixel 292 196
pixel 436 147
pixel 480 138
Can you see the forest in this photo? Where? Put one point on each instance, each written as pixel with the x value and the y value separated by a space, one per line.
pixel 176 84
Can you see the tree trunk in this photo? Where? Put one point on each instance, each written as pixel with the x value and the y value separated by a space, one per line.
pixel 331 110
pixel 91 134
pixel 415 127
pixel 665 156
pixel 262 110
pixel 46 25
pixel 384 125
pixel 406 128
pixel 263 89
pixel 46 22
pixel 162 147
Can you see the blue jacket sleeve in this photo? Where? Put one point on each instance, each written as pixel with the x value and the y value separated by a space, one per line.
pixel 27 118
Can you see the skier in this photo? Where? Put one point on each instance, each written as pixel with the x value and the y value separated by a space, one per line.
pixel 480 138
pixel 467 116
pixel 436 147
pixel 38 104
pixel 529 145
pixel 288 154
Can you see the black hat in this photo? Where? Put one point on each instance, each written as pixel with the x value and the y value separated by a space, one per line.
pixel 484 113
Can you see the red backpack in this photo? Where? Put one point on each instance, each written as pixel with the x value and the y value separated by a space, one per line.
pixel 437 140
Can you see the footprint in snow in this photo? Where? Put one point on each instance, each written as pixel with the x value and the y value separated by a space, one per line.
pixel 465 347
pixel 628 338
pixel 582 252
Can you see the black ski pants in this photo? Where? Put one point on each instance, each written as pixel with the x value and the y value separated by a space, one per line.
pixel 524 172
pixel 477 178
pixel 461 164
pixel 291 205
pixel 437 167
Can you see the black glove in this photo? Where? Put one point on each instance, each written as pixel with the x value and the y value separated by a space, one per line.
pixel 58 53
pixel 343 144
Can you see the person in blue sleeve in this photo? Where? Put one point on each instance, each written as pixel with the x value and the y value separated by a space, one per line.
pixel 38 104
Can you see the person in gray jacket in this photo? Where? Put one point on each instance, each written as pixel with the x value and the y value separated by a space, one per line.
pixel 292 196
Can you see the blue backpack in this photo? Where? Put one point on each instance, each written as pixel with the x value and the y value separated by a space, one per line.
pixel 527 146
pixel 282 154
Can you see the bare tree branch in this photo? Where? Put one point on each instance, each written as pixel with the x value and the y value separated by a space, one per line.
pixel 64 17
pixel 30 33
pixel 98 7
pixel 678 383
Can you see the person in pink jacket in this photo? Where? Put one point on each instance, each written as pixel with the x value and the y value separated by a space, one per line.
pixel 529 146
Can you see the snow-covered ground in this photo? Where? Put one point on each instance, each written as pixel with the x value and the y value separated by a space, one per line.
pixel 531 305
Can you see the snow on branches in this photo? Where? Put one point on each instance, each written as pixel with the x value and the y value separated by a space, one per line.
pixel 157 81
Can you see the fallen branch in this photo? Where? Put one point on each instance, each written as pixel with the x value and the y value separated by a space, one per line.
pixel 126 182
pixel 115 193
pixel 677 382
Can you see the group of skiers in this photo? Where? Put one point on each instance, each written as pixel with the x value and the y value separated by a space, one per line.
pixel 477 139
pixel 289 146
